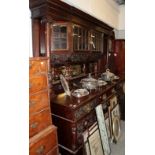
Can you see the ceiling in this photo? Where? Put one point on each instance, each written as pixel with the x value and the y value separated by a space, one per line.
pixel 120 2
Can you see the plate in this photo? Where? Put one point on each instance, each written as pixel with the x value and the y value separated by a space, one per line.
pixel 65 85
pixel 116 77
pixel 80 93
pixel 102 83
pixel 116 128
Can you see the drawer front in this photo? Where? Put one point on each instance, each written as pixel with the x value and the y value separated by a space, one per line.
pixel 39 122
pixel 54 151
pixel 36 67
pixel 44 143
pixel 37 83
pixel 38 102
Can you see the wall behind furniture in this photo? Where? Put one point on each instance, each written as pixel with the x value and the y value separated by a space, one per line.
pixel 30 36
pixel 120 32
pixel 104 10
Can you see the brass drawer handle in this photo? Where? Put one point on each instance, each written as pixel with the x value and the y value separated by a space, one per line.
pixel 31 103
pixel 30 85
pixel 30 65
pixel 40 150
pixel 34 125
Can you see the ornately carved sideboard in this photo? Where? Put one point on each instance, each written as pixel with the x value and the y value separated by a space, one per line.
pixel 73 117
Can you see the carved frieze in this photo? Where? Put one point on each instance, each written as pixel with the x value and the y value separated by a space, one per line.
pixel 80 57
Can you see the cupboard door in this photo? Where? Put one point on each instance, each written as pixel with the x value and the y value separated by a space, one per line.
pixel 59 37
pixel 96 41
pixel 80 38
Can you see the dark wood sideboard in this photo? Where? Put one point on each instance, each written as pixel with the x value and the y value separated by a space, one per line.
pixel 68 36
pixel 73 116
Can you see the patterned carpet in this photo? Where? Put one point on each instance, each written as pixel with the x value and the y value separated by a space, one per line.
pixel 119 148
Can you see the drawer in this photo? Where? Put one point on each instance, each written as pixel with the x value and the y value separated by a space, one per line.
pixel 38 102
pixel 37 83
pixel 43 142
pixel 54 151
pixel 39 122
pixel 36 67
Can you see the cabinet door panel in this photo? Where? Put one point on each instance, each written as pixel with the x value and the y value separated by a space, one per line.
pixel 80 38
pixel 59 37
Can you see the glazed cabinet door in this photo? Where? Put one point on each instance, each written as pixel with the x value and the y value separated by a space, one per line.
pixel 80 38
pixel 96 41
pixel 60 37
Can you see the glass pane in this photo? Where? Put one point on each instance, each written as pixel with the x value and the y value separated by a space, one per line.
pixel 86 45
pixel 83 36
pixel 75 37
pixel 59 37
pixel 80 41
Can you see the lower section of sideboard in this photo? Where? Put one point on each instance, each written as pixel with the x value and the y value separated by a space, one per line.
pixel 65 151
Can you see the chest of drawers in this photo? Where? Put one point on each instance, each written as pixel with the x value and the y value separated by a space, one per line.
pixel 42 133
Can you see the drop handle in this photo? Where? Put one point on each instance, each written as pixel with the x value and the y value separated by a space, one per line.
pixel 40 150
pixel 34 125
pixel 30 65
pixel 30 86
pixel 31 103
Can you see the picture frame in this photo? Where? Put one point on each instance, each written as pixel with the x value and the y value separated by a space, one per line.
pixel 110 122
pixel 115 111
pixel 103 129
pixel 95 143
pixel 107 122
pixel 115 123
pixel 113 101
pixel 116 128
pixel 88 144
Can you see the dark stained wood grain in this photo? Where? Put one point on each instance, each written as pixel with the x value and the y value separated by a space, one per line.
pixel 36 37
pixel 120 56
pixel 73 117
